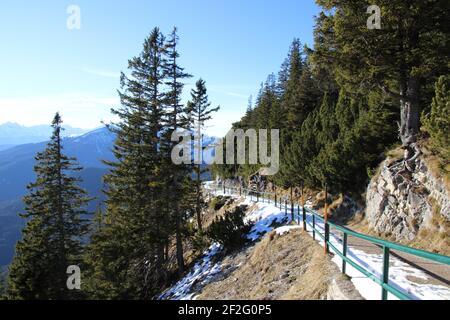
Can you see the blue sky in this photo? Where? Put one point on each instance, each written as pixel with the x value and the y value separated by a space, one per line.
pixel 233 45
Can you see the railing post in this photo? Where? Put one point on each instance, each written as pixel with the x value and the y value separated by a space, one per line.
pixel 344 253
pixel 298 214
pixel 223 184
pixel 257 196
pixel 325 220
pixel 275 200
pixel 292 211
pixel 385 279
pixel 292 206
pixel 314 226
pixel 303 209
pixel 240 191
pixel 285 207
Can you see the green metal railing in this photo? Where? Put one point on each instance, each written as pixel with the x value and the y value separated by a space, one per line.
pixel 324 234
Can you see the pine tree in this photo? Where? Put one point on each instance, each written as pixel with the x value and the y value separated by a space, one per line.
pixel 52 238
pixel 175 118
pixel 290 99
pixel 127 255
pixel 246 121
pixel 201 112
pixel 437 122
pixel 267 111
pixel 398 58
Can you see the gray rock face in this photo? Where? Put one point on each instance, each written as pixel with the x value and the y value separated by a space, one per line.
pixel 400 206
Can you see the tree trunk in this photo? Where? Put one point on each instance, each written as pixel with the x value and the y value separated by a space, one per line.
pixel 62 256
pixel 409 121
pixel 198 204
pixel 409 113
pixel 179 244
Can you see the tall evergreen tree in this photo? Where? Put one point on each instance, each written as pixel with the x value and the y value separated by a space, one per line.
pixel 290 99
pixel 175 118
pixel 127 255
pixel 437 122
pixel 201 112
pixel 53 236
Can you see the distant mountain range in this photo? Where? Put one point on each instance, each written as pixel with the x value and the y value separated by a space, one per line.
pixel 16 171
pixel 12 134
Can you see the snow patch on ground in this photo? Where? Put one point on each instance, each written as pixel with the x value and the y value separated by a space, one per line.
pixel 285 229
pixel 202 273
pixel 265 218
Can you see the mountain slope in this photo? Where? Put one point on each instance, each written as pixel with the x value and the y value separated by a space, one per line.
pixel 15 134
pixel 16 164
pixel 16 171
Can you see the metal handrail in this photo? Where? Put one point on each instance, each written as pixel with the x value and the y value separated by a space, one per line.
pixel 386 245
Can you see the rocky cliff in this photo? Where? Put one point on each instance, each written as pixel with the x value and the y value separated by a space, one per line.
pixel 400 204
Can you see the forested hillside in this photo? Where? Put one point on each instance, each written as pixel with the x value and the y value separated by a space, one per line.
pixel 343 103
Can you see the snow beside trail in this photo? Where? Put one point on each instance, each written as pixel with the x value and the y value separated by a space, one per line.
pixel 285 229
pixel 264 219
pixel 203 271
pixel 266 216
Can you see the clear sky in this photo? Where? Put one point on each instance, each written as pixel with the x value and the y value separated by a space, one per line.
pixel 232 44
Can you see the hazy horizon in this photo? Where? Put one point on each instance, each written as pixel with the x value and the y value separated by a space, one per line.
pixel 76 72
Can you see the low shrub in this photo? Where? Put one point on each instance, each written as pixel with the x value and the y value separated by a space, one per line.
pixel 218 202
pixel 200 242
pixel 230 230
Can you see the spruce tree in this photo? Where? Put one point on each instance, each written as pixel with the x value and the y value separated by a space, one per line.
pixel 53 236
pixel 290 99
pixel 399 58
pixel 127 256
pixel 437 122
pixel 175 118
pixel 201 112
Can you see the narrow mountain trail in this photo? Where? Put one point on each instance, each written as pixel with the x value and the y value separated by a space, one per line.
pixel 417 277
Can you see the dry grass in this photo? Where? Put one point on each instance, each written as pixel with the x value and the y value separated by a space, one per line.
pixel 435 238
pixel 395 153
pixel 291 266
pixel 437 170
pixel 336 204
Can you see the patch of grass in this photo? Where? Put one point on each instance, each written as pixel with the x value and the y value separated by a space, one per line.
pixel 396 153
pixel 438 169
pixel 218 202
